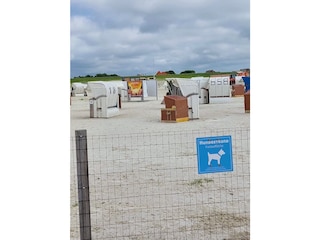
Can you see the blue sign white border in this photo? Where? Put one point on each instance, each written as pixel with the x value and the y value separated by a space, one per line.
pixel 224 142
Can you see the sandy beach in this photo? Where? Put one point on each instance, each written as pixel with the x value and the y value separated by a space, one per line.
pixel 143 172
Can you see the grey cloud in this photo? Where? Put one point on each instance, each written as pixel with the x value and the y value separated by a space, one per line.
pixel 127 37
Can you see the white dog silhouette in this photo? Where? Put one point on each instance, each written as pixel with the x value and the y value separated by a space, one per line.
pixel 215 156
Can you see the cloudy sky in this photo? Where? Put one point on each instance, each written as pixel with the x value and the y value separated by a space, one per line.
pixel 143 36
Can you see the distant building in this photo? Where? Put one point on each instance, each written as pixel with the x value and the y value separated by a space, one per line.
pixel 161 73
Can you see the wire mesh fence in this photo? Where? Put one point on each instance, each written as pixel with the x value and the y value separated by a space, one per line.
pixel 147 186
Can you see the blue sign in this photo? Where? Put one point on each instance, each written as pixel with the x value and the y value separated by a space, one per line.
pixel 214 154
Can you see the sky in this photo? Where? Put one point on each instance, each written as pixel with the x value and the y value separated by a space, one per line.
pixel 145 36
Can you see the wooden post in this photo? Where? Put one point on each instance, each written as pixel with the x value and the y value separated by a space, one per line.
pixel 83 184
pixel 247 101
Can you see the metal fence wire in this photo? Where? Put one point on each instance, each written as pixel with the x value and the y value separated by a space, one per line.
pixel 147 186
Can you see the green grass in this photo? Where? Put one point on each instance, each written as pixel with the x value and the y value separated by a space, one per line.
pixel 88 79
pixel 200 182
pixel 159 77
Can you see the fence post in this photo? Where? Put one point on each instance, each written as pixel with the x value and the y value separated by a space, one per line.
pixel 83 184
